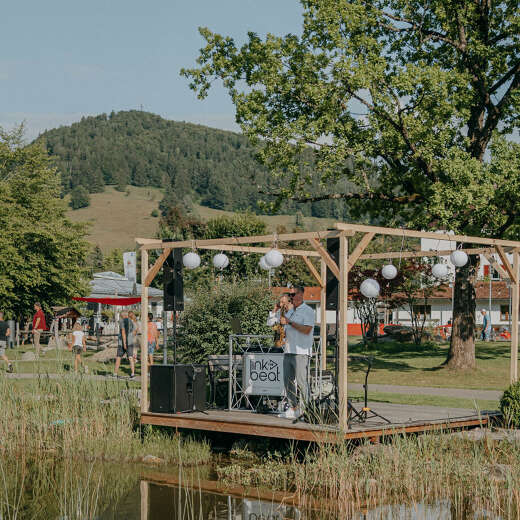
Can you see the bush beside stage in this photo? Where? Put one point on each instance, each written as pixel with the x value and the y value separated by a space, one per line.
pixel 205 325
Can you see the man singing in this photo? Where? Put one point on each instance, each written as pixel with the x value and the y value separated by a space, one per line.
pixel 299 325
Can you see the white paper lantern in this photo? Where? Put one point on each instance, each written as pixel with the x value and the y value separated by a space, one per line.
pixel 263 264
pixel 220 261
pixel 389 271
pixel 191 260
pixel 459 258
pixel 274 258
pixel 440 271
pixel 369 288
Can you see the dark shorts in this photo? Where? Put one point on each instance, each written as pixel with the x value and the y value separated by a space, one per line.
pixel 121 351
pixel 77 349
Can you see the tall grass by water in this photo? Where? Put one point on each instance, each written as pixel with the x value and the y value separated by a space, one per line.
pixel 78 417
pixel 474 476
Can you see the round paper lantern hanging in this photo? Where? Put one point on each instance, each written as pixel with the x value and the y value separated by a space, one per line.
pixel 191 260
pixel 389 271
pixel 459 258
pixel 369 288
pixel 440 271
pixel 220 261
pixel 274 258
pixel 263 264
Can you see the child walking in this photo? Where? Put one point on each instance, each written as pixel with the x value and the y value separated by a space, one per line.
pixel 78 343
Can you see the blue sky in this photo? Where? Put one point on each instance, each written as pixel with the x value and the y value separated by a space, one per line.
pixel 63 59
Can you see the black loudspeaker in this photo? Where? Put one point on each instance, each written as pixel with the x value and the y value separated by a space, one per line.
pixel 332 281
pixel 177 388
pixel 173 282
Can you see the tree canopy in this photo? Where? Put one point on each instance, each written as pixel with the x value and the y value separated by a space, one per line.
pixel 414 103
pixel 419 95
pixel 41 251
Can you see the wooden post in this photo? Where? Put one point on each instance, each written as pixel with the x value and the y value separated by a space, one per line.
pixel 514 317
pixel 144 332
pixel 144 485
pixel 342 333
pixel 323 315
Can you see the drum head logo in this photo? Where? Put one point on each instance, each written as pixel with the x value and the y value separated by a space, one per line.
pixel 264 370
pixel 263 374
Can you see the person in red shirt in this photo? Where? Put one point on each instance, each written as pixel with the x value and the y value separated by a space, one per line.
pixel 37 326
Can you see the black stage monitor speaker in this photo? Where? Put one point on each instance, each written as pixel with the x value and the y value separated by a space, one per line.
pixel 173 282
pixel 177 388
pixel 332 281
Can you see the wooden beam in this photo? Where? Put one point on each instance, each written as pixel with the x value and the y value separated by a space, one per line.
pixel 342 336
pixel 420 254
pixel 515 310
pixel 492 261
pixel 144 331
pixel 284 237
pixel 323 315
pixel 313 271
pixel 143 486
pixel 250 249
pixel 425 234
pixel 152 273
pixel 359 249
pixel 326 257
pixel 507 266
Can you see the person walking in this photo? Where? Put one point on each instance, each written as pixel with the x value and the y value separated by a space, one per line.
pixel 38 326
pixel 486 326
pixel 123 345
pixel 78 344
pixel 153 337
pixel 133 331
pixel 4 335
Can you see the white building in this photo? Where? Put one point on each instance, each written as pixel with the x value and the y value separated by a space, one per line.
pixel 492 294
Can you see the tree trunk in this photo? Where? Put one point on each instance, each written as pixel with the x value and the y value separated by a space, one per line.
pixel 461 355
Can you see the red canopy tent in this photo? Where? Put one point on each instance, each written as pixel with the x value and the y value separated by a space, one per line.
pixel 111 301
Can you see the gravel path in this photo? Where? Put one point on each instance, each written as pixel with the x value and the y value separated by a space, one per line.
pixel 490 395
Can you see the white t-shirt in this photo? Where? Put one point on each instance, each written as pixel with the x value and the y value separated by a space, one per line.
pixel 296 342
pixel 78 338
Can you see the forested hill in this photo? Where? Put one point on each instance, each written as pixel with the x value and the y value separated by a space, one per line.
pixel 213 167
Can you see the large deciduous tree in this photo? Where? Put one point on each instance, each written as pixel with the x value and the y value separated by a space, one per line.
pixel 42 253
pixel 422 95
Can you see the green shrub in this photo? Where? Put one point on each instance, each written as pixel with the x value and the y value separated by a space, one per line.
pixel 155 213
pixel 206 323
pixel 510 405
pixel 79 198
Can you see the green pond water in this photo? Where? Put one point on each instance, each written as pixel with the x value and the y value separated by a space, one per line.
pixel 49 489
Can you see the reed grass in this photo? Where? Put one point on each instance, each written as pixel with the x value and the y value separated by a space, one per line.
pixel 77 417
pixel 45 488
pixel 473 476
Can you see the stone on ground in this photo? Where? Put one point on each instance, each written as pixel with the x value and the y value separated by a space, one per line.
pixel 105 355
pixel 152 459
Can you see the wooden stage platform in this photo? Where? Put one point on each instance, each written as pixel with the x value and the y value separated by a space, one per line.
pixel 404 419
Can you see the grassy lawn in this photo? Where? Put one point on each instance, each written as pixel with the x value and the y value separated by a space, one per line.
pixel 116 218
pixel 425 400
pixel 411 365
pixel 62 361
pixel 394 364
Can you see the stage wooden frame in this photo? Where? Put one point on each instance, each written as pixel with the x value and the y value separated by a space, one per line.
pixel 342 231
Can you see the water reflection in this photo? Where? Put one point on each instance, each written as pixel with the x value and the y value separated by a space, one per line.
pixel 179 502
pixel 55 489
